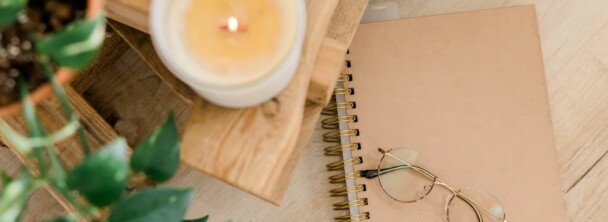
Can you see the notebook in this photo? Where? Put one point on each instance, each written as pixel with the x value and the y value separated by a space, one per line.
pixel 467 92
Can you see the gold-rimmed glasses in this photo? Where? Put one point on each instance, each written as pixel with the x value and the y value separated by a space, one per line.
pixel 406 182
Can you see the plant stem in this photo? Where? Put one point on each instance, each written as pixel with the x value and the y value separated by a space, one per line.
pixel 33 125
pixel 56 180
pixel 58 174
pixel 41 162
pixel 84 141
pixel 65 104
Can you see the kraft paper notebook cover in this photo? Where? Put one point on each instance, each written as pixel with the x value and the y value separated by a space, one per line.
pixel 467 91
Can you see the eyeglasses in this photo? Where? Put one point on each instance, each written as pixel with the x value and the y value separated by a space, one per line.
pixel 408 183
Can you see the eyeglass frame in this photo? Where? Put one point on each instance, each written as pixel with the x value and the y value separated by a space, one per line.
pixel 370 174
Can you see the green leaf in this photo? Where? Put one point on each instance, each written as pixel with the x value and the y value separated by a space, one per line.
pixel 64 219
pixel 165 204
pixel 6 179
pixel 102 177
pixel 76 45
pixel 202 219
pixel 158 155
pixel 15 195
pixel 9 10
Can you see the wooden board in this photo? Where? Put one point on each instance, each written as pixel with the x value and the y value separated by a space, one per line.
pixel 141 43
pixel 70 152
pixel 327 66
pixel 312 109
pixel 331 56
pixel 249 148
pixel 131 12
pixel 283 127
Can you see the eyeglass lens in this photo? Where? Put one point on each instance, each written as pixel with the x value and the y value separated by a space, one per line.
pixel 475 201
pixel 399 180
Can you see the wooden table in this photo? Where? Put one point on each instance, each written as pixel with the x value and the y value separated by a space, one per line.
pixel 574 38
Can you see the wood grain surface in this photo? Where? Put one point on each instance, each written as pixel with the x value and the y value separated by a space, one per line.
pixel 250 147
pixel 574 38
pixel 131 12
pixel 141 43
pixel 326 69
pixel 70 152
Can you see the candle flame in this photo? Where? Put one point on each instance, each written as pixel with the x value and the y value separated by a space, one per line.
pixel 233 24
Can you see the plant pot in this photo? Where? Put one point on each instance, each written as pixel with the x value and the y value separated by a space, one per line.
pixel 62 75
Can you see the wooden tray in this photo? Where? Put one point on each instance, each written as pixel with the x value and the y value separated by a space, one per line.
pixel 255 149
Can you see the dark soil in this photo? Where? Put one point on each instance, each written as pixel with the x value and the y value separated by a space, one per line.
pixel 17 55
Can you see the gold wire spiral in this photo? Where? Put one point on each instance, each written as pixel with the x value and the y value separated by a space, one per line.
pixel 351 203
pixel 351 218
pixel 337 150
pixel 335 136
pixel 343 191
pixel 334 122
pixel 344 91
pixel 341 178
pixel 339 165
pixel 344 78
pixel 333 106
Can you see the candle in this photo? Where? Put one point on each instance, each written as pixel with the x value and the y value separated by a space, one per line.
pixel 233 52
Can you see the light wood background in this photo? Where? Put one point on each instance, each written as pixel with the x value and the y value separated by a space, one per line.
pixel 574 36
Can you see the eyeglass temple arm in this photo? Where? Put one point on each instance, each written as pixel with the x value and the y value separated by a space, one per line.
pixel 370 174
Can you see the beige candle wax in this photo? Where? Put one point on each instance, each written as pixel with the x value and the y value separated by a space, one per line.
pixel 236 57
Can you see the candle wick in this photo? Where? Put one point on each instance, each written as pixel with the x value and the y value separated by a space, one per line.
pixel 232 24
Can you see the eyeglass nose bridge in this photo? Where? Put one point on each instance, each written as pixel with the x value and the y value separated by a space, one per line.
pixel 443 184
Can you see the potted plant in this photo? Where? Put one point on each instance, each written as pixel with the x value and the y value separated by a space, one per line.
pixel 37 61
pixel 45 37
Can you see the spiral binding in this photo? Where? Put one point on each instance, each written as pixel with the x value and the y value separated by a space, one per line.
pixel 338 149
pixel 341 178
pixel 343 191
pixel 333 122
pixel 355 217
pixel 332 108
pixel 345 205
pixel 335 136
pixel 339 165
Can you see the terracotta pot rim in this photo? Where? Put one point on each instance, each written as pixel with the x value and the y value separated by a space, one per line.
pixel 62 75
